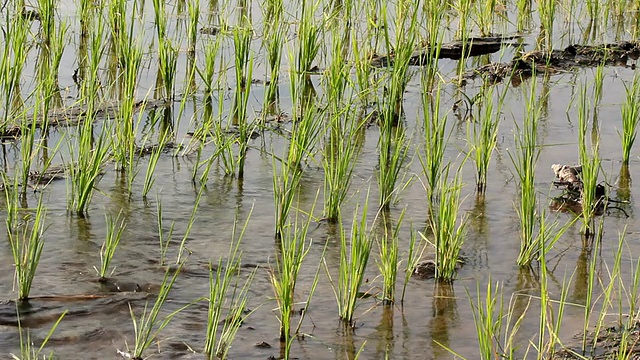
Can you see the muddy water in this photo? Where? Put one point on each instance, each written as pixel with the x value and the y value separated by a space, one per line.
pixel 433 316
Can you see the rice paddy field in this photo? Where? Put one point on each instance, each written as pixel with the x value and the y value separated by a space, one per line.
pixel 330 179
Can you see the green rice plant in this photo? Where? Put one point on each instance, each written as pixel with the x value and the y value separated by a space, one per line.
pixel 354 257
pixel 524 161
pixel 85 168
pixel 482 138
pixel 484 11
pixel 115 228
pixel 227 297
pixel 130 55
pixel 388 258
pixel 211 49
pixel 392 141
pixel 244 71
pixel 309 40
pixel 192 30
pixel 164 239
pixel 340 155
pixel 589 303
pixel 28 350
pixel 15 50
pixel 436 139
pixel 495 324
pixel 192 219
pixel 273 38
pixel 630 113
pixel 163 138
pixel 547 12
pixel 590 161
pixel 550 319
pixel 285 185
pixel 463 11
pixel 448 232
pixel 148 325
pixel 414 254
pixel 49 60
pixel 26 248
pixel 167 61
pixel 304 136
pixel 293 248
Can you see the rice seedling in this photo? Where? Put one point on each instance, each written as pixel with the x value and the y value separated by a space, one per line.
pixel 88 157
pixel 589 304
pixel 354 257
pixel 482 138
pixel 14 57
pixel 273 37
pixel 524 161
pixel 495 324
pixel 163 138
pixel 26 248
pixel 309 37
pixel 414 253
pixel 285 185
pixel 167 61
pixel 436 139
pixel 484 11
pixel 115 228
pixel 148 325
pixel 340 157
pixel 590 161
pixel 448 232
pixel 192 219
pixel 211 49
pixel 293 249
pixel 392 141
pixel 244 70
pixel 227 298
pixel 28 350
pixel 630 113
pixel 388 258
pixel 547 12
pixel 163 238
pixel 193 8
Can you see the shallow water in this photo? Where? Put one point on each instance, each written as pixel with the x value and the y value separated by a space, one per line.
pixel 434 315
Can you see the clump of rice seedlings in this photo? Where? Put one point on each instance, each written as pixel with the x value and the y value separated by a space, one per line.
pixel 436 138
pixel 524 161
pixel 392 141
pixel 167 61
pixel 48 66
pixel 293 248
pixel 309 40
pixel 12 62
pixel 304 136
pixel 28 350
pixel 193 8
pixel 148 325
pixel 495 324
pixel 547 12
pixel 339 160
pixel 354 257
pixel 27 242
pixel 163 139
pixel 388 258
pixel 244 69
pixel 448 232
pixel 590 162
pixel 130 58
pixel 211 49
pixel 434 13
pixel 88 154
pixel 463 9
pixel 227 298
pixel 273 38
pixel 630 113
pixel 414 253
pixel 340 151
pixel 115 228
pixel 285 185
pixel 482 137
pixel 484 11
